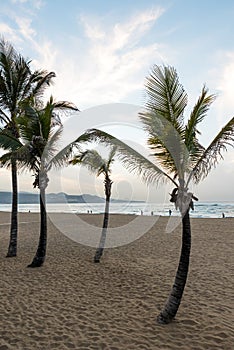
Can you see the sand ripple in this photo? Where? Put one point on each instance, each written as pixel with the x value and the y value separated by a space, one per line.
pixel 71 303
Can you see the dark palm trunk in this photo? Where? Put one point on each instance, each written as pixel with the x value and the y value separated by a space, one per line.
pixel 173 302
pixel 41 249
pixel 100 249
pixel 12 248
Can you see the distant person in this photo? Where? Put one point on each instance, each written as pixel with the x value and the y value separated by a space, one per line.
pixel 141 212
pixel 152 213
pixel 223 215
pixel 169 212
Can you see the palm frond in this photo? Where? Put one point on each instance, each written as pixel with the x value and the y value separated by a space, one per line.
pixel 8 141
pixel 64 106
pixel 14 76
pixel 7 58
pixel 131 159
pixel 29 124
pixel 27 159
pixel 213 152
pixel 166 96
pixel 92 160
pixel 4 118
pixel 197 115
pixel 167 144
pixel 111 156
pixel 51 146
pixel 38 82
pixel 63 157
pixel 60 108
pixel 5 160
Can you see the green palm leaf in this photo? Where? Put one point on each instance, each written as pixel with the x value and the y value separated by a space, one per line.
pixel 167 144
pixel 166 96
pixel 131 159
pixel 92 160
pixel 213 152
pixel 62 157
pixel 8 141
pixel 6 159
pixel 163 119
pixel 4 118
pixel 197 115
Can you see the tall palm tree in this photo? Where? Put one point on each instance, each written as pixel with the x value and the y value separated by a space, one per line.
pixel 17 84
pixel 40 130
pixel 179 156
pixel 97 164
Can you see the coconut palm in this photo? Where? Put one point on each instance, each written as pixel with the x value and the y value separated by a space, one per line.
pixel 40 130
pixel 179 157
pixel 97 164
pixel 17 84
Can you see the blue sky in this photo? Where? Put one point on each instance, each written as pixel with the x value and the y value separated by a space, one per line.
pixel 101 52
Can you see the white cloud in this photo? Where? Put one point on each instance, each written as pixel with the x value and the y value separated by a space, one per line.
pixel 8 32
pixel 21 32
pixel 128 34
pixel 25 28
pixel 93 32
pixel 108 66
pixel 114 61
pixel 19 1
pixel 223 77
pixel 34 3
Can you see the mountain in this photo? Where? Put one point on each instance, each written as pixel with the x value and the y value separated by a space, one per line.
pixel 32 198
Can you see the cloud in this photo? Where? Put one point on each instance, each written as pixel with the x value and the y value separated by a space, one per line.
pixel 121 35
pixel 17 26
pixel 114 61
pixel 34 3
pixel 8 32
pixel 19 1
pixel 109 65
pixel 225 86
pixel 24 27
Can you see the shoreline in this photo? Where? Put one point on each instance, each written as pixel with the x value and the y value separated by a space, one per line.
pixel 201 209
pixel 174 215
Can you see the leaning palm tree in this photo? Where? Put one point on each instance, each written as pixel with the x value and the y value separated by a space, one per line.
pixel 40 130
pixel 97 164
pixel 179 158
pixel 17 84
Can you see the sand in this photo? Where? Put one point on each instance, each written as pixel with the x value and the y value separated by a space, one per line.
pixel 72 303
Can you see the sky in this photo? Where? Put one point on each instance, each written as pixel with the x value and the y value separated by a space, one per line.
pixel 101 52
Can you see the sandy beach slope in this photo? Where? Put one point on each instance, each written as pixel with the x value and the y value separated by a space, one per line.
pixel 71 303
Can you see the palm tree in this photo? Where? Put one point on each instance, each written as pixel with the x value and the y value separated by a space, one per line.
pixel 17 84
pixel 96 164
pixel 40 130
pixel 179 157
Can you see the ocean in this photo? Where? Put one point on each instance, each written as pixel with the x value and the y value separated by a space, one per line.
pixel 201 210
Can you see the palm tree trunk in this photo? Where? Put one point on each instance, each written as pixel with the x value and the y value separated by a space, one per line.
pixel 12 248
pixel 41 249
pixel 173 302
pixel 100 249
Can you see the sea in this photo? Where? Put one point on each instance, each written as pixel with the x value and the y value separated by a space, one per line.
pixel 201 209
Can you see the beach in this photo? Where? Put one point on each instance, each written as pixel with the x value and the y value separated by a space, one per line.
pixel 72 303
